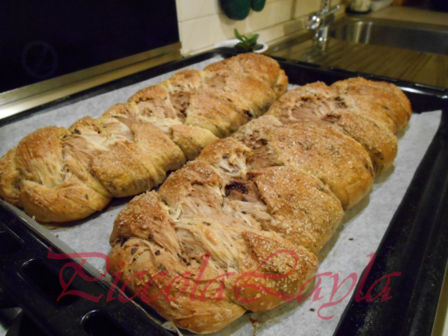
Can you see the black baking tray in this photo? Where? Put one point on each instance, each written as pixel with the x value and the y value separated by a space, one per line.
pixel 416 242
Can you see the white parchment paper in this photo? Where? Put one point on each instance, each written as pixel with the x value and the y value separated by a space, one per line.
pixel 346 254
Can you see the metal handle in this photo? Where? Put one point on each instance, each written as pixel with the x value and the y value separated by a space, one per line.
pixel 319 18
pixel 333 10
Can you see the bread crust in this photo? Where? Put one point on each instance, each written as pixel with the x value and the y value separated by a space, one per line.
pixel 382 101
pixel 317 148
pixel 304 209
pixel 317 100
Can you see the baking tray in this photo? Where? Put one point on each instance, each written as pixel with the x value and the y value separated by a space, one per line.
pixel 414 243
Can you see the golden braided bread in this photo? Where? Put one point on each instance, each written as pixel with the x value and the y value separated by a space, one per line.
pixel 59 175
pixel 239 228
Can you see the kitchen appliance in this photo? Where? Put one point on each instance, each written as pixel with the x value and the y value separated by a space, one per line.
pixel 50 49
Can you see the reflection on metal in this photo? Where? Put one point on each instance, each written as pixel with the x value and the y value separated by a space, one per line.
pixel 441 320
pixel 39 59
pixel 398 34
pixel 24 98
pixel 316 51
pixel 320 20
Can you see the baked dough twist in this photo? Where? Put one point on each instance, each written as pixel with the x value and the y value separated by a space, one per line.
pixel 239 228
pixel 370 112
pixel 59 175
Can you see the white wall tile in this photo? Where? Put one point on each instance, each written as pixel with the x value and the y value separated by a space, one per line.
pixel 190 9
pixel 202 23
pixel 199 32
pixel 305 7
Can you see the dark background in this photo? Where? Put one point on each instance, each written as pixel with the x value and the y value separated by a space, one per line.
pixel 41 39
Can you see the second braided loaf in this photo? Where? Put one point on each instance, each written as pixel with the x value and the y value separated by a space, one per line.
pixel 240 227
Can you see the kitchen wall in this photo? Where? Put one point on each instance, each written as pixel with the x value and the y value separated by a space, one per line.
pixel 202 23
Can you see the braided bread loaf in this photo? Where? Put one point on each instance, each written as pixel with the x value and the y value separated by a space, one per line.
pixel 60 175
pixel 239 228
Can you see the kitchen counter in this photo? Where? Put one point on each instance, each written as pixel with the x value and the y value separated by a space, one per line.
pixel 405 64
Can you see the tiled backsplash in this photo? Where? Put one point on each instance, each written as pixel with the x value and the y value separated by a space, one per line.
pixel 202 23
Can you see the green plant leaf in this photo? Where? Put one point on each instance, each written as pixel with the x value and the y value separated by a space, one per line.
pixel 247 42
pixel 237 34
pixel 252 38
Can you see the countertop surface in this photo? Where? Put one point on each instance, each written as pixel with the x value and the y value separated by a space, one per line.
pixel 405 64
pixel 411 14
